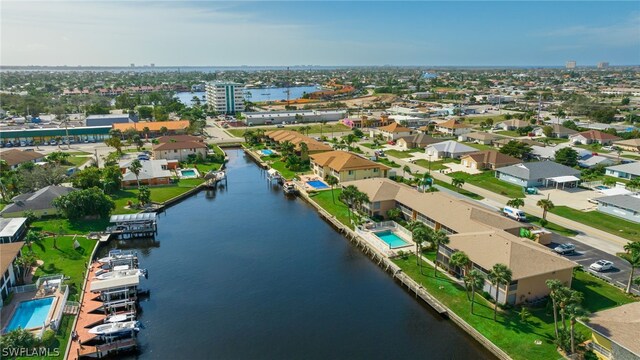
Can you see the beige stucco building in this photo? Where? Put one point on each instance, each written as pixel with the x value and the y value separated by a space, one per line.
pixel 346 166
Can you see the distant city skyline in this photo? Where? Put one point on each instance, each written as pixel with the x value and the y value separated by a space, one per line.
pixel 201 33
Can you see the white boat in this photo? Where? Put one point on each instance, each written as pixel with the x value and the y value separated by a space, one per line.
pixel 114 328
pixel 121 273
pixel 289 188
pixel 117 255
pixel 120 317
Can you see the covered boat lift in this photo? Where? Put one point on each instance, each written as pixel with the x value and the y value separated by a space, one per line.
pixel 133 225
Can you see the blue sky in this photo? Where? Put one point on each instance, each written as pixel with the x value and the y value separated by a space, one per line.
pixel 204 33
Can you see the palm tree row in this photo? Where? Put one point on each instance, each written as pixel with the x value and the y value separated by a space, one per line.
pixel 354 198
pixel 565 302
pixel 632 256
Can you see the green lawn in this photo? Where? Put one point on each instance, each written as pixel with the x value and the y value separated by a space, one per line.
pixel 337 208
pixel 511 133
pixel 552 226
pixel 604 222
pixel 388 162
pixel 598 294
pixel 159 194
pixel 595 148
pixel 510 333
pixel 488 181
pixel 458 190
pixel 480 146
pixel 79 158
pixel 315 129
pixel 288 174
pixel 634 157
pixel 81 227
pixel 371 146
pixel 399 154
pixel 474 120
pixel 553 140
pixel 435 165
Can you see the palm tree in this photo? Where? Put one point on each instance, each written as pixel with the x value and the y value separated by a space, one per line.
pixel 546 205
pixel 475 280
pixel 500 274
pixel 135 168
pixel 632 256
pixel 347 196
pixel 554 287
pixel 406 169
pixel 304 152
pixel 287 147
pixel 394 214
pixel 420 235
pixel 32 237
pixel 568 297
pixel 249 136
pixel 439 238
pixel 516 203
pixel 457 182
pixel 426 180
pixel 460 259
pixel 164 131
pixel 26 262
pixel 359 199
pixel 575 312
pixel 331 181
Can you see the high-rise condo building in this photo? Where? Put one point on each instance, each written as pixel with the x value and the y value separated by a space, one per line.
pixel 225 97
pixel 571 64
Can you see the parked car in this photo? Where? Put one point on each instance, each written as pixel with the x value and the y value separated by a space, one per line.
pixel 280 126
pixel 567 248
pixel 143 157
pixel 601 265
pixel 514 213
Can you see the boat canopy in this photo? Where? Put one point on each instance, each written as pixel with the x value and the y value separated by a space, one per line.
pixel 119 282
pixel 132 217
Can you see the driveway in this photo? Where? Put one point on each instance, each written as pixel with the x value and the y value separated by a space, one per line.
pixel 576 198
pixel 459 167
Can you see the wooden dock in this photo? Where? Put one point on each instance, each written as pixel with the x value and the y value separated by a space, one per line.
pixel 99 351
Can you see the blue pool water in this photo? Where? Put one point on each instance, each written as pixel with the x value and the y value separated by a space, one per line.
pixel 30 314
pixel 318 184
pixel 601 187
pixel 391 239
pixel 188 172
pixel 266 152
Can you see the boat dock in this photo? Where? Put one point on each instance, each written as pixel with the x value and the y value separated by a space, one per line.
pixel 213 178
pixel 130 226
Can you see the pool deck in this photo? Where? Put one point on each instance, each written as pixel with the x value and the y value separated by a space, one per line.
pixel 9 310
pixel 311 177
pixel 369 235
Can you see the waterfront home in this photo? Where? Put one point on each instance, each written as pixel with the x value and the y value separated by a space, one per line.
pixel 12 229
pixel 15 157
pixel 391 132
pixel 453 128
pixel 479 138
pixel 593 137
pixel 513 124
pixel 485 236
pixel 346 166
pixel 420 141
pixel 623 206
pixel 624 171
pixel 502 142
pixel 155 128
pixel 9 253
pixel 628 145
pixel 179 150
pixel 615 332
pixel 540 173
pixel 179 138
pixel 280 136
pixel 488 159
pixel 448 149
pixel 40 201
pixel 152 172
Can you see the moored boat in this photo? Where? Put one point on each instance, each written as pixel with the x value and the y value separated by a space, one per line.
pixel 114 328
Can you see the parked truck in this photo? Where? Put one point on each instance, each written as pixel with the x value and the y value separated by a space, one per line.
pixel 514 213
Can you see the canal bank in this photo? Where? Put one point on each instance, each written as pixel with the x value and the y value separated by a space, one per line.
pixel 244 272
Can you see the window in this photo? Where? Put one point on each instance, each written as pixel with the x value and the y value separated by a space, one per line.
pixel 375 170
pixel 350 172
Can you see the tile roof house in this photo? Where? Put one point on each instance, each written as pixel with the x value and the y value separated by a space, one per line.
pixel 40 201
pixel 416 141
pixel 558 131
pixel 179 150
pixel 615 332
pixel 512 124
pixel 485 236
pixel 313 146
pixel 452 127
pixel 179 138
pixel 488 159
pixel 8 255
pixel 629 145
pixel 593 137
pixel 480 138
pixel 346 166
pixel 392 131
pixel 153 172
pixel 448 149
pixel 15 157
pixel 540 173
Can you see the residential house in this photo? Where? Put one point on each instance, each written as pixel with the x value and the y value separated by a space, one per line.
pixel 624 171
pixel 615 332
pixel 448 149
pixel 15 157
pixel 346 166
pixel 502 142
pixel 623 206
pixel 628 145
pixel 549 152
pixel 558 131
pixel 155 128
pixel 179 150
pixel 40 201
pixel 280 136
pixel 488 159
pixel 8 255
pixel 453 128
pixel 479 138
pixel 540 173
pixel 152 172
pixel 485 236
pixel 366 121
pixel 416 141
pixel 595 160
pixel 179 138
pixel 392 131
pixel 593 137
pixel 513 124
pixel 12 229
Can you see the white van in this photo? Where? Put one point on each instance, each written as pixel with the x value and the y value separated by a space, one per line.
pixel 514 213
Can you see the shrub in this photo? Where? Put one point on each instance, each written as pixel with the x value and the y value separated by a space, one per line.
pixel 48 338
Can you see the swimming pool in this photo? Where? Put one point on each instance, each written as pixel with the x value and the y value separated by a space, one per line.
pixel 30 314
pixel 188 172
pixel 393 240
pixel 266 152
pixel 602 187
pixel 317 184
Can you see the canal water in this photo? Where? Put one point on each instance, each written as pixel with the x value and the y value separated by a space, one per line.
pixel 245 273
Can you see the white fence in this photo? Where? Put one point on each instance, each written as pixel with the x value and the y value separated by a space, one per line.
pixel 24 288
pixel 55 322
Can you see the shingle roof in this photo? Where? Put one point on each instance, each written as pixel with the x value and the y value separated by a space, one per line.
pixel 10 226
pixel 342 160
pixel 622 201
pixel 632 168
pixel 597 135
pixel 482 136
pixel 620 324
pixel 559 129
pixel 151 169
pixel 180 145
pixel 538 170
pixel 452 147
pixel 296 139
pixel 421 139
pixel 515 123
pixel 492 157
pixel 452 124
pixel 394 127
pixel 38 200
pixel 14 156
pixel 629 142
pixel 8 252
pixel 178 138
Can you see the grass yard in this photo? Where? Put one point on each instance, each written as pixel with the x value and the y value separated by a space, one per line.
pixel 435 165
pixel 288 174
pixel 399 154
pixel 371 146
pixel 552 226
pixel 458 190
pixel 598 294
pixel 634 157
pixel 488 181
pixel 337 208
pixel 595 148
pixel 388 162
pixel 159 194
pixel 511 133
pixel 480 146
pixel 80 227
pixel 79 158
pixel 316 129
pixel 553 140
pixel 475 120
pixel 604 222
